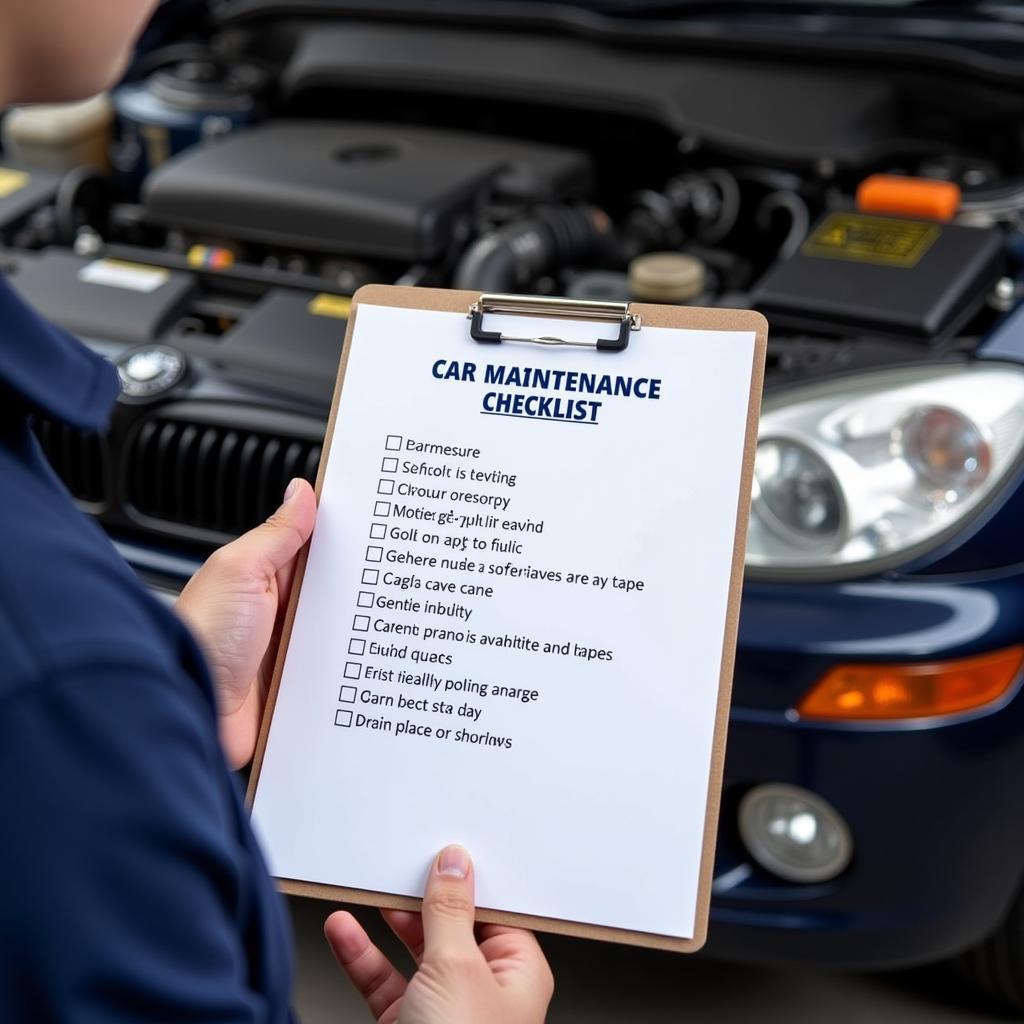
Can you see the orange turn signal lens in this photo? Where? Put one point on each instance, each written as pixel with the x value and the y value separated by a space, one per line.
pixel 886 692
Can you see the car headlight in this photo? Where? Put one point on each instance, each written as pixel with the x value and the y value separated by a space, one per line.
pixel 858 473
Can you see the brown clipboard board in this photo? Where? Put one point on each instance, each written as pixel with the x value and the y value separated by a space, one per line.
pixel 682 317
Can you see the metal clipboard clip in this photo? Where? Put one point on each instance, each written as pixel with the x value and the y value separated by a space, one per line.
pixel 610 312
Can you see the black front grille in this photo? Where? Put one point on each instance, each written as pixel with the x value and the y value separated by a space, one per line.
pixel 211 477
pixel 79 458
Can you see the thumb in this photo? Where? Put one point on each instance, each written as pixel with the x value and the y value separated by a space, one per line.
pixel 276 542
pixel 448 905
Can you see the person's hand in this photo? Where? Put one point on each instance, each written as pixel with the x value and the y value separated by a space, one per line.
pixel 235 606
pixel 502 979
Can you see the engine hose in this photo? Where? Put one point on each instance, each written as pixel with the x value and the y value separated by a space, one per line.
pixel 799 220
pixel 83 197
pixel 516 254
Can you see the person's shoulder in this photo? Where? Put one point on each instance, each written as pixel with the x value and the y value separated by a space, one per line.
pixel 63 586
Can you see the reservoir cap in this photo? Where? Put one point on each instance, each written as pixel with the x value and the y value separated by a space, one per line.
pixel 666 277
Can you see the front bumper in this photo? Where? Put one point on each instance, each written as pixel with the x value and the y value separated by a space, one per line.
pixel 935 807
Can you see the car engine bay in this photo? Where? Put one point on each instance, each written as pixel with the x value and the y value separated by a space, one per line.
pixel 263 169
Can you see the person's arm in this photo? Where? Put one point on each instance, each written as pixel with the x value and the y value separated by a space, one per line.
pixel 234 605
pixel 127 890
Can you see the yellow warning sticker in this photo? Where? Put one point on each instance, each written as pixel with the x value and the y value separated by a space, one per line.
pixel 12 181
pixel 326 304
pixel 884 240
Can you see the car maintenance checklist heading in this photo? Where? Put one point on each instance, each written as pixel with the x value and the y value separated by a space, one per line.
pixel 510 628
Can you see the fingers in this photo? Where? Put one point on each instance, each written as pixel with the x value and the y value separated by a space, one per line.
pixel 496 941
pixel 275 543
pixel 369 970
pixel 408 926
pixel 518 939
pixel 448 907
pixel 507 971
pixel 514 955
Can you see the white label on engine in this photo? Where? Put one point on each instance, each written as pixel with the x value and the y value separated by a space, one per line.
pixel 117 274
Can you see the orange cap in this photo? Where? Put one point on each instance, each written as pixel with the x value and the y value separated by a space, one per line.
pixel 909 197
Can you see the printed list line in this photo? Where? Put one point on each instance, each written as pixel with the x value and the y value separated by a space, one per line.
pixel 547 419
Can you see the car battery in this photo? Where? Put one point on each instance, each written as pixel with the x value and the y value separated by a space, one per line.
pixel 886 275
pixel 103 299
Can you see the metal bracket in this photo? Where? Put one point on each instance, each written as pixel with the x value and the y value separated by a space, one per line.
pixel 613 312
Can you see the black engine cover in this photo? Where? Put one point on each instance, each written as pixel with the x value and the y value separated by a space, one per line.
pixel 371 190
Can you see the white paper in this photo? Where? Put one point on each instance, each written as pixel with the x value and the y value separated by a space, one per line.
pixel 588 802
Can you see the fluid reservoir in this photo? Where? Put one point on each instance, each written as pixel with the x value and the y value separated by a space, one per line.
pixel 179 106
pixel 672 277
pixel 60 136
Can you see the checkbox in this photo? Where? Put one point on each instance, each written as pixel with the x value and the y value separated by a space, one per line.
pixel 365 599
pixel 386 487
pixel 374 554
pixel 361 623
pixel 343 718
pixel 357 646
pixel 389 465
pixel 353 670
pixel 378 531
pixel 382 508
pixel 371 577
pixel 393 443
pixel 347 695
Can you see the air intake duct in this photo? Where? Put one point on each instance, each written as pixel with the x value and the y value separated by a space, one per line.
pixel 513 256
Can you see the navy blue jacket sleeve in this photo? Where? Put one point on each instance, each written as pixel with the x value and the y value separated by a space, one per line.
pixel 122 897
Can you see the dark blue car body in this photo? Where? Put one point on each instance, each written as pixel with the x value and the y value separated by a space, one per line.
pixel 934 807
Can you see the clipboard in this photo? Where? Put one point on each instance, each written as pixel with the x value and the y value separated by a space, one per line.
pixel 615 324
